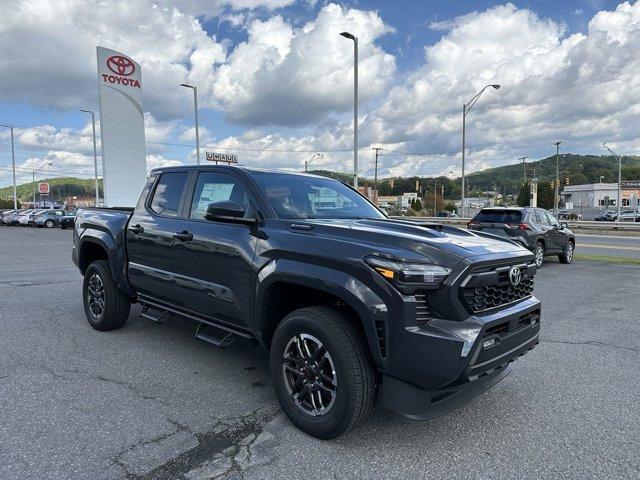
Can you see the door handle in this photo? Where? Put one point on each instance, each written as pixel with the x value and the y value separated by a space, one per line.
pixel 183 236
pixel 136 229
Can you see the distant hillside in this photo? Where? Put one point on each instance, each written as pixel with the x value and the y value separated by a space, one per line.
pixel 60 188
pixel 507 179
pixel 579 168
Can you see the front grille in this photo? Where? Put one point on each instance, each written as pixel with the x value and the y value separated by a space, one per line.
pixel 494 290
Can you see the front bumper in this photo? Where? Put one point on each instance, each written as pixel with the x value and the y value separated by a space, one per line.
pixel 445 364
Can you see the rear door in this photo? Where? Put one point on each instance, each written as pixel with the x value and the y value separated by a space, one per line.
pixel 213 260
pixel 150 235
pixel 556 239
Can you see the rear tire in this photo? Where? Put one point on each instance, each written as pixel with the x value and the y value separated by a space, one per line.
pixel 327 384
pixel 567 256
pixel 49 224
pixel 538 252
pixel 106 307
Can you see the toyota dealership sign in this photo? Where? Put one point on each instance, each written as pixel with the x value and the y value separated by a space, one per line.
pixel 121 127
pixel 43 188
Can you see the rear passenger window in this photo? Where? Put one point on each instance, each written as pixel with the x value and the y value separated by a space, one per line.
pixel 166 197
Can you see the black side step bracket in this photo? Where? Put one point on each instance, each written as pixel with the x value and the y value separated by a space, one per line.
pixel 214 335
pixel 154 314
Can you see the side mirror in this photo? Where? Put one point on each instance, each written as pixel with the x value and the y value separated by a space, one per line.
pixel 564 225
pixel 227 211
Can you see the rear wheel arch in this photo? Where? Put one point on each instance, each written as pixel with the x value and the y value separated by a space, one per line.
pixel 90 251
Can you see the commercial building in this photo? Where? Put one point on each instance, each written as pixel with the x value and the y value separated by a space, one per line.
pixel 601 195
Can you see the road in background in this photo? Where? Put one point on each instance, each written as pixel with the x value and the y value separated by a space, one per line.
pixel 150 402
pixel 608 245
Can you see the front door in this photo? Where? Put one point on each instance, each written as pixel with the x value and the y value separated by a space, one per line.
pixel 150 236
pixel 213 259
pixel 556 234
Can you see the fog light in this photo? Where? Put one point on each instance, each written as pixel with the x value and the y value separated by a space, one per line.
pixel 489 343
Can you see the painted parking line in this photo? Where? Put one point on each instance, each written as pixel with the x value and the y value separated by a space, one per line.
pixel 613 247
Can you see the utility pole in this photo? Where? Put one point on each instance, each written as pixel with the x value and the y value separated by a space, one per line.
pixel 556 197
pixel 375 175
pixel 524 164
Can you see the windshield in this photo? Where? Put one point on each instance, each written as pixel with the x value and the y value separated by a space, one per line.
pixel 297 196
pixel 498 216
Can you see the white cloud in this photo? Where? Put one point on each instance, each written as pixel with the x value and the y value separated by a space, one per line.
pixel 282 76
pixel 580 88
pixel 48 51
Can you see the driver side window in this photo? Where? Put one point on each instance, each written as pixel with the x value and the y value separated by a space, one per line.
pixel 215 187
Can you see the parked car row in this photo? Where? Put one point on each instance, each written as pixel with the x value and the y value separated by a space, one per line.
pixel 625 216
pixel 42 218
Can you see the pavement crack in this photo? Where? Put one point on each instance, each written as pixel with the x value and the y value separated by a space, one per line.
pixel 223 445
pixel 594 343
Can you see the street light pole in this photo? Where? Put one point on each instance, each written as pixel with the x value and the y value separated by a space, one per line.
pixel 375 175
pixel 355 105
pixel 95 154
pixel 195 106
pixel 615 155
pixel 307 162
pixel 466 108
pixel 556 196
pixel 13 163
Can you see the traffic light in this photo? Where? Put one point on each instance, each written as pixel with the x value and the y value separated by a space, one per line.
pixel 566 181
pixel 553 184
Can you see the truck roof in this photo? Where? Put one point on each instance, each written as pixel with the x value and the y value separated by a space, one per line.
pixel 234 167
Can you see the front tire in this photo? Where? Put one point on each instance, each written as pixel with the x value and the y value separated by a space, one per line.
pixel 538 253
pixel 106 307
pixel 567 256
pixel 321 370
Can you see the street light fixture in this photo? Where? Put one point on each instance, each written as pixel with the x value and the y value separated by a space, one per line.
pixel 95 154
pixel 33 180
pixel 466 108
pixel 615 155
pixel 13 163
pixel 355 105
pixel 307 162
pixel 195 106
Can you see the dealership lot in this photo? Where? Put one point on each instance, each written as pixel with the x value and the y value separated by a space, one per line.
pixel 148 401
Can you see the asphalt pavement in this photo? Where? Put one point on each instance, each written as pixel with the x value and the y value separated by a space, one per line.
pixel 150 402
pixel 608 245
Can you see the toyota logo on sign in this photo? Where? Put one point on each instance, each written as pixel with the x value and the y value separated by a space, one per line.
pixel 120 65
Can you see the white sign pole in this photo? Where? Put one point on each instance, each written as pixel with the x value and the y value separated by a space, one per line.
pixel 124 169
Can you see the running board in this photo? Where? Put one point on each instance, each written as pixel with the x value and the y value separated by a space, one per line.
pixel 153 313
pixel 214 335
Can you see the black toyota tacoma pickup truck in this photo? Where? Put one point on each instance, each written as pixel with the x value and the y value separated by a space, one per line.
pixel 349 303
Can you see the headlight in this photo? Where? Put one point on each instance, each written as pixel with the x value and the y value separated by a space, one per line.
pixel 409 273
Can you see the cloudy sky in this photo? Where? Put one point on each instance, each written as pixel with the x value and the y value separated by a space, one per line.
pixel 275 80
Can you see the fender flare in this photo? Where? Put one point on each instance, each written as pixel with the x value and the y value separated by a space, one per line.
pixel 366 303
pixel 115 257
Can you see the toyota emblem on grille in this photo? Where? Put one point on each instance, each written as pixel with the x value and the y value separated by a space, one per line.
pixel 515 275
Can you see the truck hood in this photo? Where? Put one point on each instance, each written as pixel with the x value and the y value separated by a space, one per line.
pixel 411 240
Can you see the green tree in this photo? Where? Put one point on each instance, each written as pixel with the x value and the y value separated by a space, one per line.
pixel 545 195
pixel 524 195
pixel 417 205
